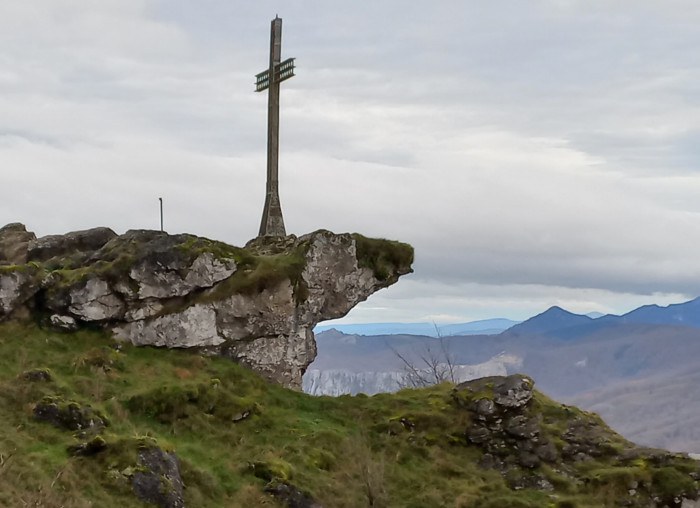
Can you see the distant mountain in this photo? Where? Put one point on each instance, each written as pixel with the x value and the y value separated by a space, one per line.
pixel 552 320
pixel 684 314
pixel 562 324
pixel 481 327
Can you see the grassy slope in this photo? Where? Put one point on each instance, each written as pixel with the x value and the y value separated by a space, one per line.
pixel 342 451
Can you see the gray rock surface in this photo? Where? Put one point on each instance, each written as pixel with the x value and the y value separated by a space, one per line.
pixel 51 246
pixel 505 427
pixel 17 286
pixel 68 415
pixel 290 496
pixel 195 326
pixel 65 323
pixel 163 276
pixel 256 305
pixel 158 480
pixel 95 301
pixel 14 242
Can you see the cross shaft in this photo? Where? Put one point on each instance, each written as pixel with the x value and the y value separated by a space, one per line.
pixel 272 223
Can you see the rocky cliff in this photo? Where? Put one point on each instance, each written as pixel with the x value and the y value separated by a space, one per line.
pixel 337 382
pixel 257 305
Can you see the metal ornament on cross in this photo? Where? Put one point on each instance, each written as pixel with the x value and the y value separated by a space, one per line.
pixel 272 223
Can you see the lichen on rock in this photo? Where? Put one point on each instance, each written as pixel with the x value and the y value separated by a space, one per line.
pixel 523 435
pixel 257 305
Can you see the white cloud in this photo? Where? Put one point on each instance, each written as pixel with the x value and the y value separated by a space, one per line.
pixel 533 154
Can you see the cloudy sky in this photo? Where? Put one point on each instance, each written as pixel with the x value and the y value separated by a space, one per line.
pixel 535 153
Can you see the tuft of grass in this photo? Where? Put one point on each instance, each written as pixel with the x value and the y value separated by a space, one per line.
pixel 260 272
pixel 386 258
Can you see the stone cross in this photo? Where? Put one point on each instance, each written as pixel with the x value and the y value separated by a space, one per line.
pixel 272 223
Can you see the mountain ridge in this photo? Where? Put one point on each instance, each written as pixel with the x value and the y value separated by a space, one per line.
pixel 478 327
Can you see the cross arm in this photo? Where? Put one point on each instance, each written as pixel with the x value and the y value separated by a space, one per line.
pixel 283 71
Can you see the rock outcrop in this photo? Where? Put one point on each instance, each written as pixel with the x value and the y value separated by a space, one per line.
pixel 14 244
pixel 522 435
pixel 158 480
pixel 257 305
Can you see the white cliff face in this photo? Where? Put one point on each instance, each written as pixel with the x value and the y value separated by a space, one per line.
pixel 256 305
pixel 341 382
pixel 95 302
pixel 193 327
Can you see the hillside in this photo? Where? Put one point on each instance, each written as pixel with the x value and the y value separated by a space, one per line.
pixel 257 304
pixel 86 421
pixel 582 365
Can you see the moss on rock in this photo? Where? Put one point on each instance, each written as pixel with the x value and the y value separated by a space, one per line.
pixel 383 257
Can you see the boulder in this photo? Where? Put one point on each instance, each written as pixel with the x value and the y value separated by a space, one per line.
pixel 63 323
pixel 521 426
pixel 89 240
pixel 18 284
pixel 512 392
pixel 68 415
pixel 37 375
pixel 14 242
pixel 158 480
pixel 88 448
pixel 290 496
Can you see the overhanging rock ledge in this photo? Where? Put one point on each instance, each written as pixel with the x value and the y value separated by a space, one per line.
pixel 257 305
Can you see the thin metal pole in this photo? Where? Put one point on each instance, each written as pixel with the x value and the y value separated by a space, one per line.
pixel 161 214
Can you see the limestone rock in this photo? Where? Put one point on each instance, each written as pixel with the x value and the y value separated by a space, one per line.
pixel 503 424
pixel 290 496
pixel 68 415
pixel 161 274
pixel 65 323
pixel 257 305
pixel 507 392
pixel 14 241
pixel 17 285
pixel 522 442
pixel 51 246
pixel 193 327
pixel 513 391
pixel 158 479
pixel 95 301
pixel 281 358
pixel 521 426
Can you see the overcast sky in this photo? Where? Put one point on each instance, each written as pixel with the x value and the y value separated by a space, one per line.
pixel 535 153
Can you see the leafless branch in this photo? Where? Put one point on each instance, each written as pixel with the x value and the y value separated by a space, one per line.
pixel 429 367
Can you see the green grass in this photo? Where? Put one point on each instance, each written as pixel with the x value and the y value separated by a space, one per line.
pixel 342 451
pixel 384 257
